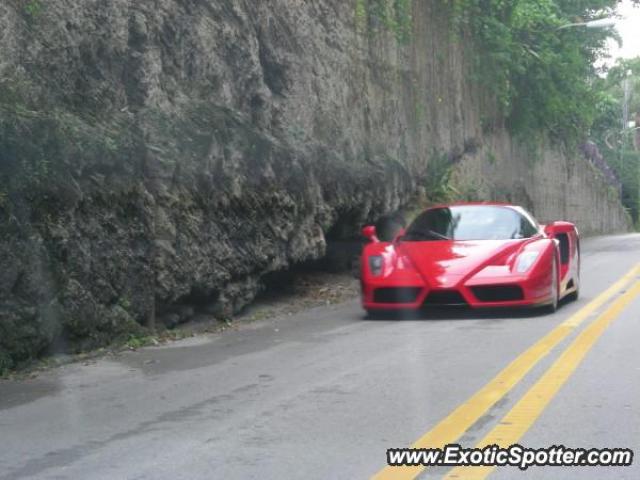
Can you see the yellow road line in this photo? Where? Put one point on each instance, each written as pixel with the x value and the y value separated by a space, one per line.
pixel 464 416
pixel 523 415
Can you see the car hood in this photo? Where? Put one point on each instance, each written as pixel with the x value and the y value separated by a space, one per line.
pixel 444 264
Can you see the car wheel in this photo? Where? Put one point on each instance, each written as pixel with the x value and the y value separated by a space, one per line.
pixel 553 306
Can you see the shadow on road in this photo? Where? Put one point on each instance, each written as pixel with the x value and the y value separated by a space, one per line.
pixel 458 313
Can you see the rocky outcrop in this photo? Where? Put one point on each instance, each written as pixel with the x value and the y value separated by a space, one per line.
pixel 160 156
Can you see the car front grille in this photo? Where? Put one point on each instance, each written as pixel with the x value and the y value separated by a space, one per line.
pixel 498 293
pixel 396 295
pixel 445 297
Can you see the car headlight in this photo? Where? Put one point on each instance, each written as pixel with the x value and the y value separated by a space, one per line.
pixel 376 263
pixel 525 261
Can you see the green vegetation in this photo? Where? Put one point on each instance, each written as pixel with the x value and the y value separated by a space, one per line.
pixel 538 64
pixel 626 163
pixel 618 102
pixel 439 186
pixel 32 8
pixel 136 341
pixel 6 363
pixel 57 140
pixel 391 15
pixel 539 72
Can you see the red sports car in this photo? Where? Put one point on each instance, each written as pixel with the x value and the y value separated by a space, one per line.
pixel 475 254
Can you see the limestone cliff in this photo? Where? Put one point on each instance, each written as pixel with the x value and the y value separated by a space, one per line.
pixel 161 154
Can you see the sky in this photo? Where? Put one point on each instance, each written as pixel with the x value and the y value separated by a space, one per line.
pixel 628 27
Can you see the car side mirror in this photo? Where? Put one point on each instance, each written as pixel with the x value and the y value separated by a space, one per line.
pixel 369 232
pixel 399 234
pixel 554 229
pixel 549 230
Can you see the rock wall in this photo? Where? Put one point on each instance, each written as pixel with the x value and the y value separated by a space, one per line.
pixel 552 183
pixel 161 156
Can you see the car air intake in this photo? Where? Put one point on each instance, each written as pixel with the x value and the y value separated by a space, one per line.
pixel 498 293
pixel 396 295
pixel 445 297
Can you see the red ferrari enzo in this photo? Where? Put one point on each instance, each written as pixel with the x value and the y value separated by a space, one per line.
pixel 475 254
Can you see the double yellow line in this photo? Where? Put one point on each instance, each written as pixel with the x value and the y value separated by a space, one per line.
pixel 527 410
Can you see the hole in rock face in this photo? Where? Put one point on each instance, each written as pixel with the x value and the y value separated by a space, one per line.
pixel 280 283
pixel 199 301
pixel 201 297
pixel 344 244
pixel 305 285
pixel 345 241
pixel 388 226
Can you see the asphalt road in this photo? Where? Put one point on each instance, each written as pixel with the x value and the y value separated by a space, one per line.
pixel 324 394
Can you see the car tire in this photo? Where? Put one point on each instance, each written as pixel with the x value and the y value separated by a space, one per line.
pixel 573 296
pixel 375 314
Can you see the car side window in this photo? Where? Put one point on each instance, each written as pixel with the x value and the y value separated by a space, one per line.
pixel 565 250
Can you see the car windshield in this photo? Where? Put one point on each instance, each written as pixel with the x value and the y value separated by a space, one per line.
pixel 471 222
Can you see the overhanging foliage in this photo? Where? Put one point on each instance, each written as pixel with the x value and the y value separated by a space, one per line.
pixel 540 70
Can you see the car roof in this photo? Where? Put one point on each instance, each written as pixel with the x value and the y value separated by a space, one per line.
pixel 517 208
pixel 460 204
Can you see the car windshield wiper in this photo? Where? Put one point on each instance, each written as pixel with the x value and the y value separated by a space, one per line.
pixel 425 234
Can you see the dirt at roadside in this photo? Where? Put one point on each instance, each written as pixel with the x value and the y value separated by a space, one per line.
pixel 307 291
pixel 300 292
